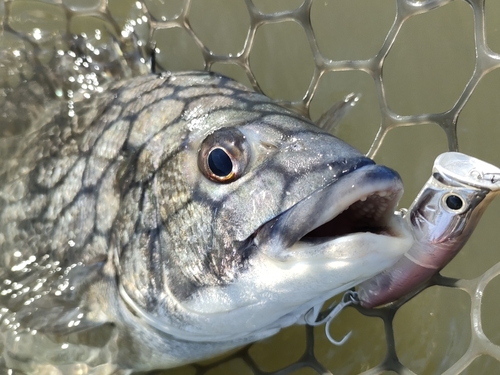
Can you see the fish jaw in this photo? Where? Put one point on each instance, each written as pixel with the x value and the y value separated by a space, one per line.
pixel 362 201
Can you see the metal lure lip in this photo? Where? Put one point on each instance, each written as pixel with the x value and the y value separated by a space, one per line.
pixel 460 169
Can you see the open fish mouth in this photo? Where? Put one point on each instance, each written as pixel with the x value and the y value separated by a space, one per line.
pixel 358 205
pixel 368 214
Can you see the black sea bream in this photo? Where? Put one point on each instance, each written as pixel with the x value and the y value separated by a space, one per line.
pixel 173 217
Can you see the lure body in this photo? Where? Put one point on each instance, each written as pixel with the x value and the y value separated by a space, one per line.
pixel 442 218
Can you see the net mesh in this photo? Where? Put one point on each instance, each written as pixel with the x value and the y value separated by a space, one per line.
pixel 308 55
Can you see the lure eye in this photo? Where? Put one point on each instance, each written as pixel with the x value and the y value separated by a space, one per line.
pixel 454 202
pixel 224 155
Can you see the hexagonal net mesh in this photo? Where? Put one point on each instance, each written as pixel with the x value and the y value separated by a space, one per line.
pixel 412 63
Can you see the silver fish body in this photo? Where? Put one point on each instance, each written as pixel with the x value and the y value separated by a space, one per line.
pixel 442 218
pixel 175 217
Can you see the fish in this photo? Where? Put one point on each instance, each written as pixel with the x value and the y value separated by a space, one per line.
pixel 442 218
pixel 173 217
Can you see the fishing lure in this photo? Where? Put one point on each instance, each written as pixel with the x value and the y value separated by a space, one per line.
pixel 441 218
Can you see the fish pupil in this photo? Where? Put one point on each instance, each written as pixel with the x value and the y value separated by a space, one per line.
pixel 454 202
pixel 220 163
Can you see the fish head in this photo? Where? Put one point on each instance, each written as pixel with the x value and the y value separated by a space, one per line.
pixel 256 216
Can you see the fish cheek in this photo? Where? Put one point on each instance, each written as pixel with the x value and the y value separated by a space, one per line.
pixel 197 253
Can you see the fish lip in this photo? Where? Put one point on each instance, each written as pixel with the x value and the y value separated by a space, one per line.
pixel 367 185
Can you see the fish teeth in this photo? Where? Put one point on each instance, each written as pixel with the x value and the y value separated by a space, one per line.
pixel 374 206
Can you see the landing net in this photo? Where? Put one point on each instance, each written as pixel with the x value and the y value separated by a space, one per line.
pixel 427 65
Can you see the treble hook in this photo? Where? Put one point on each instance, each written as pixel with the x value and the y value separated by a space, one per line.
pixel 349 298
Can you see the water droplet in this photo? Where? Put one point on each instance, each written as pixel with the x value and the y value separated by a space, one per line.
pixel 37 34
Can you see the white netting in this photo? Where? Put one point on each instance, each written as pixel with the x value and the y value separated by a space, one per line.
pixel 435 57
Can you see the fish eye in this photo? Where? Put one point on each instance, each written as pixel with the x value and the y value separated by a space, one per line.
pixel 223 155
pixel 453 202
